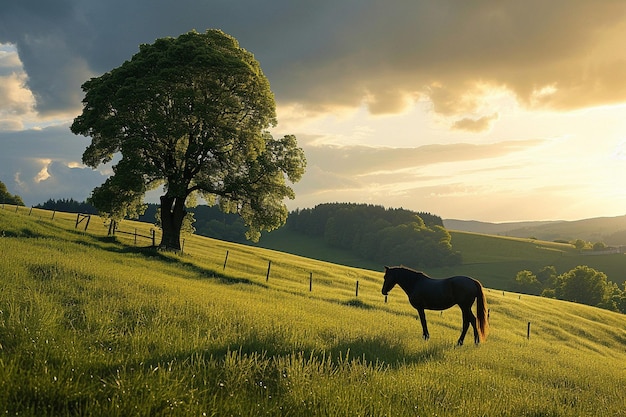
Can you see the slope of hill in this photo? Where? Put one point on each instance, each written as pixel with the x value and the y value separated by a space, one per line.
pixel 610 230
pixel 94 325
pixel 91 325
pixel 494 260
pixel 488 228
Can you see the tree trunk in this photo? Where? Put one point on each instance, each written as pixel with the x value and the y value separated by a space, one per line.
pixel 172 214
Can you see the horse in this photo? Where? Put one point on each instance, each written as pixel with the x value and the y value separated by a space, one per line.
pixel 426 293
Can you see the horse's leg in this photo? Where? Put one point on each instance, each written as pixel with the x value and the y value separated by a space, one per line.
pixel 422 315
pixel 473 323
pixel 466 323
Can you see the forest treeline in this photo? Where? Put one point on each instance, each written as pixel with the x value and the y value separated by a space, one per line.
pixel 388 236
pixel 68 206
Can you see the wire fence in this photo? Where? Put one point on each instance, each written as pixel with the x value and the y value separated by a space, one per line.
pixel 146 236
pixel 83 222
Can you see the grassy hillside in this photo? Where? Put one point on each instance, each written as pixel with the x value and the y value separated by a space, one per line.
pixel 610 230
pixel 494 260
pixel 94 326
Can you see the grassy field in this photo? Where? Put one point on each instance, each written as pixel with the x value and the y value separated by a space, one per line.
pixel 91 325
pixel 494 260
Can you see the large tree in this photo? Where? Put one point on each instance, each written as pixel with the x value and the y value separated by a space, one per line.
pixel 190 113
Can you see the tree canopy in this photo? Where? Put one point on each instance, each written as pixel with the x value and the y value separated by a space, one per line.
pixel 190 113
pixel 582 284
pixel 388 236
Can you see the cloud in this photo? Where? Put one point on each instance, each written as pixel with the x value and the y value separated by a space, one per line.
pixel 365 160
pixel 41 164
pixel 331 63
pixel 16 101
pixel 327 54
pixel 393 176
pixel 475 125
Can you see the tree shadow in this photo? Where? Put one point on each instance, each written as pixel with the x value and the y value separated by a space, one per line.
pixel 153 252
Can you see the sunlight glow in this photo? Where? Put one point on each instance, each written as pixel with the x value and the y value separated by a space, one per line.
pixel 43 174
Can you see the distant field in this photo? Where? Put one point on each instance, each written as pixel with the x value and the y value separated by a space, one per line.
pixel 494 260
pixel 91 325
pixel 610 230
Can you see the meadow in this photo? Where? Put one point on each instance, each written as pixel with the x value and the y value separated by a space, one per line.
pixel 494 260
pixel 94 325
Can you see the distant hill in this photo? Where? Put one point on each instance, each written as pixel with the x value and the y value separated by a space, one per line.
pixel 610 230
pixel 487 228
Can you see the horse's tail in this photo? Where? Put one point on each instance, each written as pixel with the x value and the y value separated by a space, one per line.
pixel 482 315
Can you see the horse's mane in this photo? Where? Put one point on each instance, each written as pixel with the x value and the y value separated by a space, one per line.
pixel 413 271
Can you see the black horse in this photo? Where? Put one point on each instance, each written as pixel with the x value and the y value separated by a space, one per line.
pixel 426 293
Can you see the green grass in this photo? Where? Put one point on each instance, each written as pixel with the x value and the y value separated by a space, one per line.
pixel 494 260
pixel 95 326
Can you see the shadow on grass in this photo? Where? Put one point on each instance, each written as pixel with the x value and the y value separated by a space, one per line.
pixel 355 302
pixel 168 257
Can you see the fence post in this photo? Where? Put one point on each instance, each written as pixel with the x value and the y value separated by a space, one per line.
pixel 528 332
pixel 135 236
pixel 152 232
pixel 53 213
pixel 77 217
pixel 225 260
pixel 87 224
pixel 310 281
pixel 267 276
pixel 31 210
pixel 357 288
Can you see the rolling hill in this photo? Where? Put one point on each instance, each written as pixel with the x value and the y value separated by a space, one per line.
pixel 610 230
pixel 94 325
pixel 494 260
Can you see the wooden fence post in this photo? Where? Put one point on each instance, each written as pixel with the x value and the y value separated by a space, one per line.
pixel 528 332
pixel 31 210
pixel 153 233
pixel 225 260
pixel 135 236
pixel 267 276
pixel 310 281
pixel 357 288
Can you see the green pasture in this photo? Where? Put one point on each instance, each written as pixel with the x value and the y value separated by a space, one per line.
pixel 94 325
pixel 494 260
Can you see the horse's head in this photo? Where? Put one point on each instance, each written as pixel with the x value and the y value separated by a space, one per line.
pixel 390 280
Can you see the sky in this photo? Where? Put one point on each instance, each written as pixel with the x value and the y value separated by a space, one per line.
pixel 490 110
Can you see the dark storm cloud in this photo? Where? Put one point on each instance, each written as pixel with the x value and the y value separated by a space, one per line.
pixel 329 53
